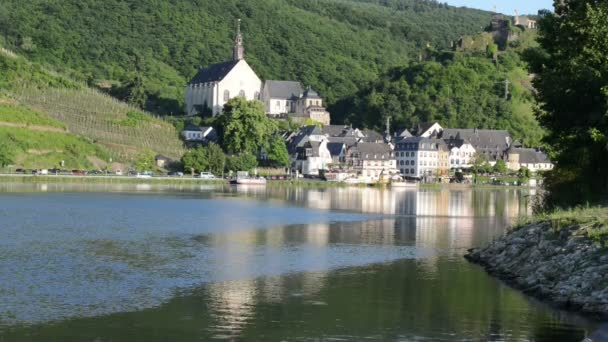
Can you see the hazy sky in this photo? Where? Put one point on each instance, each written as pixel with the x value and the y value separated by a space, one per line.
pixel 506 6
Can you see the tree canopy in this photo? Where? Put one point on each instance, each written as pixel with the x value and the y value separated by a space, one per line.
pixel 244 126
pixel 459 90
pixel 572 82
pixel 208 158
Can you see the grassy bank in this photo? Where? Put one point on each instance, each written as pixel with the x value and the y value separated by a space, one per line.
pixel 592 222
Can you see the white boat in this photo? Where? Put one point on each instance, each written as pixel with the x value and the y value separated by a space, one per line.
pixel 243 178
pixel 251 181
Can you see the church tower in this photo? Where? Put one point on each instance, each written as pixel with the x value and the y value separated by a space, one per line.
pixel 239 50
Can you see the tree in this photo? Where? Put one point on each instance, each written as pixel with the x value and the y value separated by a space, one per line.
pixel 479 161
pixel 572 79
pixel 144 161
pixel 244 126
pixel 7 155
pixel 194 160
pixel 216 159
pixel 277 151
pixel 241 162
pixel 524 174
pixel 27 44
pixel 500 167
pixel 135 91
pixel 209 158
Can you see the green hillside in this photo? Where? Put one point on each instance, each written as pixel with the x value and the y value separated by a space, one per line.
pixel 46 117
pixel 34 140
pixel 461 87
pixel 333 45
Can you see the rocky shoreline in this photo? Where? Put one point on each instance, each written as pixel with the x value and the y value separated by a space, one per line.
pixel 562 266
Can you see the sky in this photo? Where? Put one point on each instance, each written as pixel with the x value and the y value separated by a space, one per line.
pixel 506 6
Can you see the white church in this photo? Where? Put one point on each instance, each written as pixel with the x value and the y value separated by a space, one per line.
pixel 213 86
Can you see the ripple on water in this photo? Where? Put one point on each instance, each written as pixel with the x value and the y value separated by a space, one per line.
pixel 87 255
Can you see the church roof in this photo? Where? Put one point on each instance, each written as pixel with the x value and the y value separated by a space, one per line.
pixel 311 94
pixel 284 89
pixel 213 73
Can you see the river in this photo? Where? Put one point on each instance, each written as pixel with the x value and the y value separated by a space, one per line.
pixel 184 263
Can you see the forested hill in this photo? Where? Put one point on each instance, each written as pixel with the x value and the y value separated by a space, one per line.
pixel 332 45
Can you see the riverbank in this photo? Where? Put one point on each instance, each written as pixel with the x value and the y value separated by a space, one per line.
pixel 307 183
pixel 105 180
pixel 560 257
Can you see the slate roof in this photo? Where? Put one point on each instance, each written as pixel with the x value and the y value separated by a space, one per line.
pixel 421 128
pixel 492 143
pixel 480 138
pixel 403 133
pixel 314 145
pixel 338 131
pixel 335 148
pixel 213 73
pixel 530 156
pixel 302 136
pixel 284 89
pixel 348 141
pixel 418 142
pixel 311 94
pixel 374 151
pixel 372 136
pixel 193 128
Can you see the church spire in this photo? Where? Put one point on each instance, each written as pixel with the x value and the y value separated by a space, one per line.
pixel 239 50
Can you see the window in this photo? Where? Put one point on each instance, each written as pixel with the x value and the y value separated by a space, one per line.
pixel 412 171
pixel 256 95
pixel 242 93
pixel 278 104
pixel 226 95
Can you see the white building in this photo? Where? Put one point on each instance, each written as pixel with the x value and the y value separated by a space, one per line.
pixel 374 161
pixel 195 133
pixel 313 157
pixel 462 154
pixel 280 97
pixel 417 157
pixel 213 86
pixel 532 159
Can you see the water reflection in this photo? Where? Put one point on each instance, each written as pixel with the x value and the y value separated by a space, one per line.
pixel 185 263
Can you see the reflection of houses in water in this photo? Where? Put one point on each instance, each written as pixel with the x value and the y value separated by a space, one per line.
pixel 231 306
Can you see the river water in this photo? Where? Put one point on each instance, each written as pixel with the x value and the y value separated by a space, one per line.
pixel 186 263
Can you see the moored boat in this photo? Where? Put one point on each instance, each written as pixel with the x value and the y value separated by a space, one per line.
pixel 243 178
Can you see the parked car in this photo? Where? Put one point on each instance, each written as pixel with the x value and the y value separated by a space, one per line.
pixel 79 173
pixel 118 172
pixel 207 175
pixel 176 174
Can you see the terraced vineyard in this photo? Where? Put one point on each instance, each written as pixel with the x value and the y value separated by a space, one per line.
pixel 105 121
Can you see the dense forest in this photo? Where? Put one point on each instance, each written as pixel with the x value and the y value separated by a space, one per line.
pixel 334 46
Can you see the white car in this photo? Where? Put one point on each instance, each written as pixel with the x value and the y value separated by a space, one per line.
pixel 206 175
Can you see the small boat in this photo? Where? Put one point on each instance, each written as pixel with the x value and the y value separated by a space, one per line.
pixel 243 178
